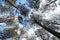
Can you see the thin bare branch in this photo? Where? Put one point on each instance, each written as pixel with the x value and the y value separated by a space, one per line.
pixel 12 3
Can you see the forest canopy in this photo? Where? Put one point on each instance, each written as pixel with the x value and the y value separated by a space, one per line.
pixel 30 19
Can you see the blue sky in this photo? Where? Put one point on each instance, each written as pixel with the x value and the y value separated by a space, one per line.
pixel 21 1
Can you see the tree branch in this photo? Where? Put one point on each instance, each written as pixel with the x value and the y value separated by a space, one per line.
pixel 49 30
pixel 23 10
pixel 5 19
pixel 48 4
pixel 12 3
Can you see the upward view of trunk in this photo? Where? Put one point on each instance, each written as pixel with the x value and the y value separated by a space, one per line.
pixel 49 30
pixel 21 20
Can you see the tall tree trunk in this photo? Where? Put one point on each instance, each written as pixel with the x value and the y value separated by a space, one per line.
pixel 49 30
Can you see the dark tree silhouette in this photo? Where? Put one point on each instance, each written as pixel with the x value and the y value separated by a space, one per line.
pixel 48 29
pixel 34 3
